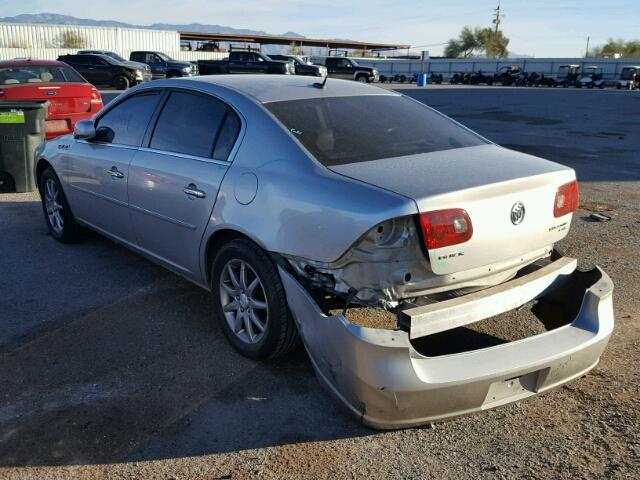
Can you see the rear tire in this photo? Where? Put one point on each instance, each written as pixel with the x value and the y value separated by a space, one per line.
pixel 60 221
pixel 250 303
pixel 121 83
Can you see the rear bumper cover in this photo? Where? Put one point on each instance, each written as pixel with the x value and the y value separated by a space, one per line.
pixel 383 380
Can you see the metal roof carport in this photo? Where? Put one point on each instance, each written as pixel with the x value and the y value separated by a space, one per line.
pixel 281 40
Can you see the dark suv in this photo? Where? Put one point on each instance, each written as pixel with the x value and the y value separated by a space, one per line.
pixel 342 67
pixel 163 66
pixel 141 66
pixel 104 71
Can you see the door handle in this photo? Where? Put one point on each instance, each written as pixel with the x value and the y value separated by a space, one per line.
pixel 115 173
pixel 192 190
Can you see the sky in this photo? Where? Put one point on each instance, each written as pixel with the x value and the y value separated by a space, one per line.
pixel 542 28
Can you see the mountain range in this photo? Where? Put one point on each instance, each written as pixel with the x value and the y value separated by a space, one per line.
pixel 55 19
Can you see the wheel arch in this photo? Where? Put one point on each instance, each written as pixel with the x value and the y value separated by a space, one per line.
pixel 218 238
pixel 41 166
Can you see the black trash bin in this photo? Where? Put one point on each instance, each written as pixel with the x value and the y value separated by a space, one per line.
pixel 21 131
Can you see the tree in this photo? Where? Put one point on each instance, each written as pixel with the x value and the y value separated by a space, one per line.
pixel 494 43
pixel 472 42
pixel 465 45
pixel 71 39
pixel 617 47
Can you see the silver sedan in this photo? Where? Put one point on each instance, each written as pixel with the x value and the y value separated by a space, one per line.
pixel 286 198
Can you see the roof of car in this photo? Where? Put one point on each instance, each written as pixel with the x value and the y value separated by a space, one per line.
pixel 276 88
pixel 25 62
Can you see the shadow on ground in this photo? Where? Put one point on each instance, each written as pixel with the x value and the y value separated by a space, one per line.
pixel 146 374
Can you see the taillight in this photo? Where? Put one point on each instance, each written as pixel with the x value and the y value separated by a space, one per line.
pixel 567 199
pixel 95 96
pixel 443 228
pixel 1 93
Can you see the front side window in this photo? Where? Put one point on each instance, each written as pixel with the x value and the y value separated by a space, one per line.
pixel 341 130
pixel 189 124
pixel 129 119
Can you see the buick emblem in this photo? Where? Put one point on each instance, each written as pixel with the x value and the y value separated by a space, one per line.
pixel 517 213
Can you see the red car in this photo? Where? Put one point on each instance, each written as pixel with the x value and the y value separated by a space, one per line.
pixel 70 96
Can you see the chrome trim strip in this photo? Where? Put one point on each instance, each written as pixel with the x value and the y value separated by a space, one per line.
pixel 159 216
pixel 184 155
pixel 105 144
pixel 99 195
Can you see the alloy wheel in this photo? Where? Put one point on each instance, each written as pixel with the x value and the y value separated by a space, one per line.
pixel 243 300
pixel 53 206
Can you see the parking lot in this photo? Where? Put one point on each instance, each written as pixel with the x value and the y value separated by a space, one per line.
pixel 111 367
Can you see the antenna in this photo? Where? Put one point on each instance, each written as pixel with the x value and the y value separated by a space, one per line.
pixel 321 85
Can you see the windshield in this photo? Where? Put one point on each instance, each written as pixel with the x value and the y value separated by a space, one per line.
pixel 354 63
pixel 165 57
pixel 116 56
pixel 627 73
pixel 341 130
pixel 39 74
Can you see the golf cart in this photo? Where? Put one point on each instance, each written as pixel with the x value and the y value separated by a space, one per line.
pixel 508 75
pixel 435 78
pixel 568 75
pixel 478 77
pixel 591 77
pixel 629 78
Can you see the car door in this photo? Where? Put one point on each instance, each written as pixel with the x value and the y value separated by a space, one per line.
pixel 81 63
pixel 174 181
pixel 240 63
pixel 157 65
pixel 257 64
pixel 100 69
pixel 339 68
pixel 98 171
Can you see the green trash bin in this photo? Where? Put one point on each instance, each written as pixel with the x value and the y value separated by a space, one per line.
pixel 21 131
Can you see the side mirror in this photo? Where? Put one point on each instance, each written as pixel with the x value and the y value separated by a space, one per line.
pixel 84 130
pixel 104 134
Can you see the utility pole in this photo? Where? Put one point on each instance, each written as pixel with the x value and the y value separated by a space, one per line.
pixel 586 53
pixel 497 17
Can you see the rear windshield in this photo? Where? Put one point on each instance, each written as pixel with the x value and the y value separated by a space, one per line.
pixel 341 130
pixel 39 74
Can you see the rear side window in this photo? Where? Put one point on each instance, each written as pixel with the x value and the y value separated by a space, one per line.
pixel 227 136
pixel 76 60
pixel 129 119
pixel 189 124
pixel 341 130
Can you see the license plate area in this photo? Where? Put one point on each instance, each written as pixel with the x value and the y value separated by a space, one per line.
pixel 508 390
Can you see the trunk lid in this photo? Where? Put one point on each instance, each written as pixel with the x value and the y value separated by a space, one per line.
pixel 64 98
pixel 487 181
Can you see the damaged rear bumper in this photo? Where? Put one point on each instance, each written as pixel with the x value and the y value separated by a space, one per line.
pixel 384 380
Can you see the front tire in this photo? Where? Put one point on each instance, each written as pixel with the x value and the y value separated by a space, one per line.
pixel 121 83
pixel 250 303
pixel 362 79
pixel 60 221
